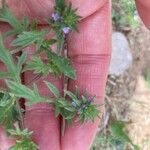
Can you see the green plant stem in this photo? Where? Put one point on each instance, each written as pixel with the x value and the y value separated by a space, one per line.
pixel 14 51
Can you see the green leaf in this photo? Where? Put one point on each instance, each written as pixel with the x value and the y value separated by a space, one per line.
pixel 54 66
pixel 117 131
pixel 17 132
pixel 8 111
pixel 24 142
pixel 60 5
pixel 89 113
pixel 5 75
pixel 64 108
pixel 47 43
pixel 59 65
pixel 7 59
pixel 148 79
pixel 27 38
pixel 7 16
pixel 38 66
pixel 24 145
pixel 71 95
pixel 18 26
pixel 20 90
pixel 53 89
pixel 34 24
pixel 25 22
pixel 62 64
pixel 70 17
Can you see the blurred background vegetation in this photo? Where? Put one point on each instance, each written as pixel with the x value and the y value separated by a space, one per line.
pixel 126 121
pixel 124 14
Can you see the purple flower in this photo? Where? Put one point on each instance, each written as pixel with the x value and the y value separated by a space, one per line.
pixel 66 30
pixel 91 99
pixel 56 16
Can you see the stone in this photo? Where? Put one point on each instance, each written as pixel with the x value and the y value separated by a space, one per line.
pixel 121 55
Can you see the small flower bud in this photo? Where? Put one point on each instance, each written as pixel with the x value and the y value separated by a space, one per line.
pixel 90 99
pixel 66 30
pixel 56 16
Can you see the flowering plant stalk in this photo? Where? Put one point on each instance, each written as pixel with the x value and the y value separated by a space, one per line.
pixel 71 106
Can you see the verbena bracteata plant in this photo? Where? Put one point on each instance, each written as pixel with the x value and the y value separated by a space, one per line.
pixel 72 105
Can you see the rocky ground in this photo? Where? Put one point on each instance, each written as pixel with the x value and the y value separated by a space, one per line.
pixel 139 113
pixel 128 96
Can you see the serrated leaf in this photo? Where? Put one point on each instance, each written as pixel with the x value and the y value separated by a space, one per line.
pixel 24 145
pixel 25 142
pixel 27 38
pixel 7 59
pixel 20 90
pixel 7 16
pixel 63 108
pixel 8 111
pixel 53 89
pixel 38 66
pixel 61 64
pixel 17 132
pixel 5 75
pixel 25 22
pixel 60 5
pixel 70 17
pixel 11 32
pixel 64 66
pixel 18 26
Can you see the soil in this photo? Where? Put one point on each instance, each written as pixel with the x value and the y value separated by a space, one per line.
pixel 128 96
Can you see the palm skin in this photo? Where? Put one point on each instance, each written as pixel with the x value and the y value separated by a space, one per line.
pixel 89 51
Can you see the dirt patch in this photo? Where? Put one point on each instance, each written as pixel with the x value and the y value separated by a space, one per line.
pixel 139 115
pixel 127 96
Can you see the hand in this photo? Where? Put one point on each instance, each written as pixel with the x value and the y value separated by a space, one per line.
pixel 90 55
pixel 90 52
pixel 38 118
